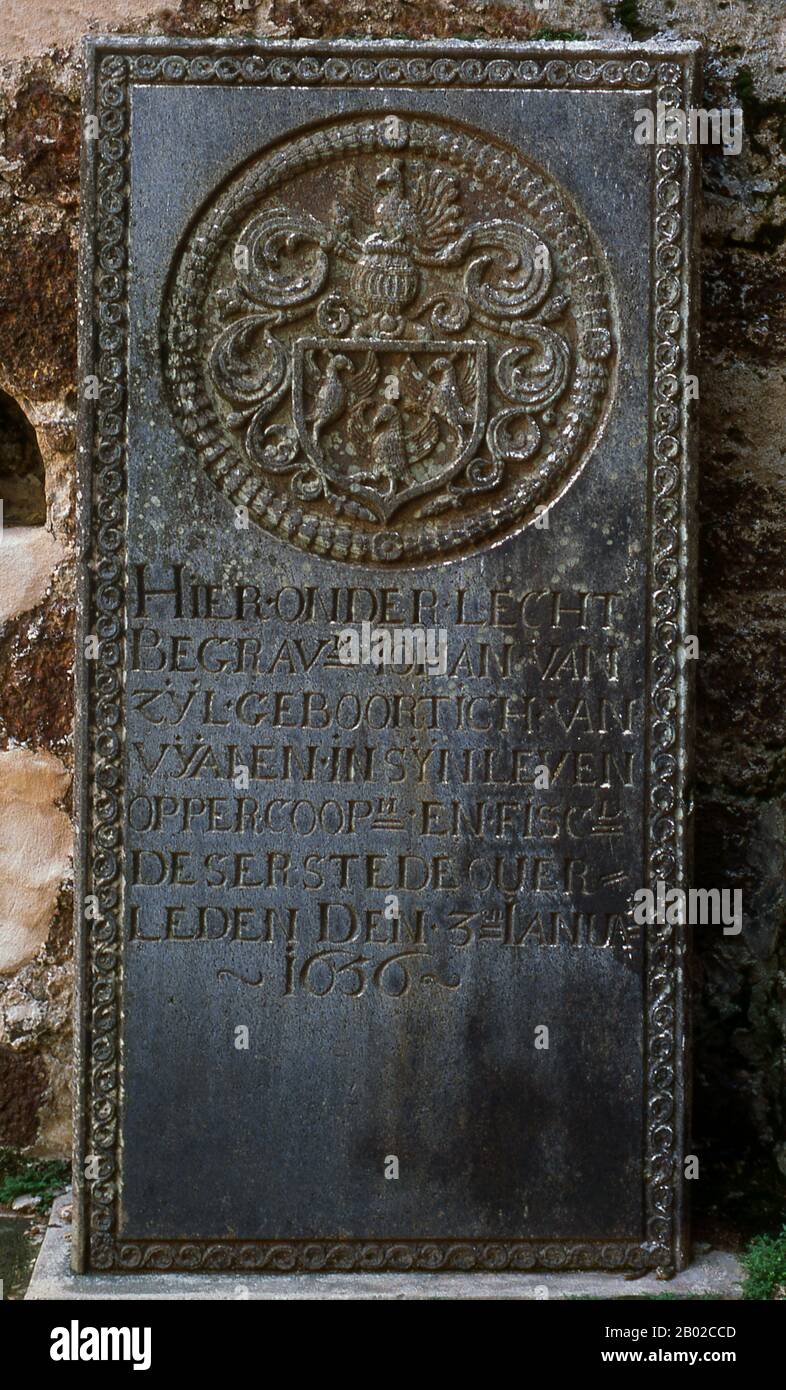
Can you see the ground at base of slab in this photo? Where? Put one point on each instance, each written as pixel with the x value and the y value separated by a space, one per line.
pixel 714 1274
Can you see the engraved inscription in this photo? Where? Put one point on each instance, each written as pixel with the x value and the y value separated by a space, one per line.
pixel 380 836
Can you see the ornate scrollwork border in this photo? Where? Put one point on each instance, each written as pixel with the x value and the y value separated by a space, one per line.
pixel 113 64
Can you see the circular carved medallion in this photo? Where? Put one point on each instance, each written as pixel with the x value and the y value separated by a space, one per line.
pixel 389 339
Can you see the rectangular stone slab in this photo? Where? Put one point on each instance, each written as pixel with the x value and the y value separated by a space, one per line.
pixel 386 513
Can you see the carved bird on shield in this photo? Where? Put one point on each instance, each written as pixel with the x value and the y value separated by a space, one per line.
pixel 331 396
pixel 395 450
pixel 439 394
pixel 332 393
pixel 445 398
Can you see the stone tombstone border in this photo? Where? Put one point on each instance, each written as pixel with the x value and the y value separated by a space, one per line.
pixel 233 304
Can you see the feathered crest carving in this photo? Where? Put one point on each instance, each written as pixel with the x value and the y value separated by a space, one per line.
pixel 421 204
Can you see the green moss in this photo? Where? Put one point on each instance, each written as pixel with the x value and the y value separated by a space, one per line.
pixel 756 112
pixel 626 13
pixel 744 89
pixel 559 35
pixel 19 1175
pixel 764 1263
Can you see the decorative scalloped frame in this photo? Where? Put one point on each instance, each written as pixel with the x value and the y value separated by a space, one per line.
pixel 112 65
pixel 509 507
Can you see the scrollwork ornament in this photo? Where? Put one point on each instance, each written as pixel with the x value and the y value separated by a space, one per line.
pixel 535 387
pixel 512 274
pixel 513 436
pixel 245 370
pixel 273 267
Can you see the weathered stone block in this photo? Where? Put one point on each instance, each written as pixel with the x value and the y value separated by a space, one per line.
pixel 392 343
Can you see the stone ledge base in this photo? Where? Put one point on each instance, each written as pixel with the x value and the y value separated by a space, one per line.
pixel 714 1273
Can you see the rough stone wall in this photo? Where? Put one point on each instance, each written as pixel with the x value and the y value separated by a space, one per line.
pixel 741 785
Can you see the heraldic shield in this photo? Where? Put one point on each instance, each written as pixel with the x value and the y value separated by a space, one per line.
pixel 388 421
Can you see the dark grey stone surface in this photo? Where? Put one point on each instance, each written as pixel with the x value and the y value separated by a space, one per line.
pixel 409 354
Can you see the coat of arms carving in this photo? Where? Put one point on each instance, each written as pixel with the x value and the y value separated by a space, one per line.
pixel 390 338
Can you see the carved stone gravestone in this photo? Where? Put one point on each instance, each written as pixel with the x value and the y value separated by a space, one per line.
pixel 385 499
